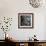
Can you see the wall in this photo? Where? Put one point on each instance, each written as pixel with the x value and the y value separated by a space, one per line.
pixel 11 8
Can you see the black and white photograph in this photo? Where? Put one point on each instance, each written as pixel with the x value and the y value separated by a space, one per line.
pixel 25 20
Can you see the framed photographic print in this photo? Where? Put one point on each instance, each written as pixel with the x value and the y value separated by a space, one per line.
pixel 25 20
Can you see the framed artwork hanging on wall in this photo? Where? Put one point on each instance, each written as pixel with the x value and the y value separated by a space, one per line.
pixel 25 20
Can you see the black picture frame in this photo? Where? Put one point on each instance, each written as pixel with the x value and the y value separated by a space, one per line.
pixel 25 20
